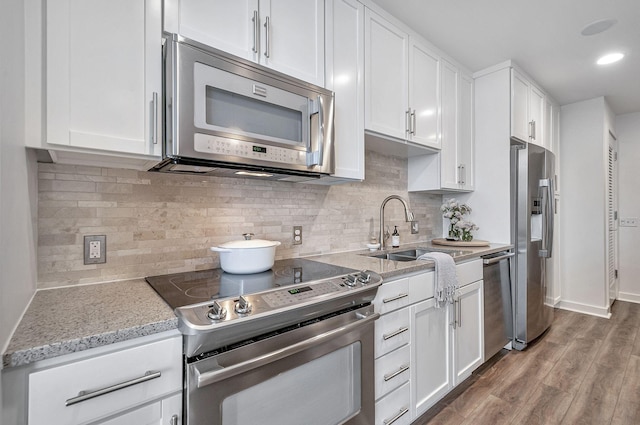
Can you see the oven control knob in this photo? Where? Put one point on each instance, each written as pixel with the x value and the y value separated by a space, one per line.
pixel 217 312
pixel 364 277
pixel 243 306
pixel 350 280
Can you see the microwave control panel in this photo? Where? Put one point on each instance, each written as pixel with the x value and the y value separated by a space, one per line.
pixel 206 143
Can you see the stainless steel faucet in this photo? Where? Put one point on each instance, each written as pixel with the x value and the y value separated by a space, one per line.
pixel 407 214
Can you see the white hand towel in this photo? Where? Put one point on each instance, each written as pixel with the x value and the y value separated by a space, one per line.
pixel 445 283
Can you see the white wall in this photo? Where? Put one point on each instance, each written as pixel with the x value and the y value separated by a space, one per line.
pixel 582 214
pixel 628 133
pixel 18 178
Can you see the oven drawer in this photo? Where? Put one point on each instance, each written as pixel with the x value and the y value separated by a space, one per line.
pixel 139 374
pixel 394 406
pixel 392 296
pixel 392 331
pixel 392 370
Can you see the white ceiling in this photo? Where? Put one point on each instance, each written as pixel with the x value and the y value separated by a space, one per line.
pixel 543 37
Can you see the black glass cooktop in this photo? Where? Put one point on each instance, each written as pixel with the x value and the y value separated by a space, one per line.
pixel 187 288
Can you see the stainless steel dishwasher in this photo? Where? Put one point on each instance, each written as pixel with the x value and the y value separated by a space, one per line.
pixel 498 318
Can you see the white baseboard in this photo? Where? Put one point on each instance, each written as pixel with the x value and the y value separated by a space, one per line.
pixel 626 296
pixel 584 308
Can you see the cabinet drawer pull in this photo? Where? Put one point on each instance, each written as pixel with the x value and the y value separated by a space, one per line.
pixel 256 31
pixel 390 376
pixel 267 30
pixel 402 411
pixel 397 297
pixel 395 333
pixel 84 395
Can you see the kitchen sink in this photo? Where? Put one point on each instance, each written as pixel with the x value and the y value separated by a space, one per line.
pixel 413 254
pixel 393 256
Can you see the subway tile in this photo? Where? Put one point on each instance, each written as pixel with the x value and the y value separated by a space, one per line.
pixel 157 223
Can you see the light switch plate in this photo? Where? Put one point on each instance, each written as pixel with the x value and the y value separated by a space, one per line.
pixel 95 249
pixel 414 227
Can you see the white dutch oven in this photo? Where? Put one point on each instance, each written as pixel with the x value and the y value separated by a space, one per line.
pixel 247 256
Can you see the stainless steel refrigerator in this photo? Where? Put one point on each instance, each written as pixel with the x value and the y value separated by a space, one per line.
pixel 532 219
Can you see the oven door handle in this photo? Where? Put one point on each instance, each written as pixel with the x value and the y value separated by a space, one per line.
pixel 209 377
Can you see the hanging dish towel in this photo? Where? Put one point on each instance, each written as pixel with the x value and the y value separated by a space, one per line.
pixel 445 283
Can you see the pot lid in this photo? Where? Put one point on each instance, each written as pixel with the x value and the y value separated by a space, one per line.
pixel 249 244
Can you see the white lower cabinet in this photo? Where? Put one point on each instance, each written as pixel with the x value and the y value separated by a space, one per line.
pixel 468 342
pixel 135 385
pixel 443 345
pixel 430 355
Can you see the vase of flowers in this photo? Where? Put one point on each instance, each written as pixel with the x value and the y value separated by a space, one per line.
pixel 459 228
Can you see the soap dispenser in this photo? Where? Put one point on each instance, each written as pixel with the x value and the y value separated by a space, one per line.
pixel 395 237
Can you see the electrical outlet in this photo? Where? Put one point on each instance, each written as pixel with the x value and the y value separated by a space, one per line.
pixel 95 249
pixel 629 222
pixel 297 235
pixel 414 227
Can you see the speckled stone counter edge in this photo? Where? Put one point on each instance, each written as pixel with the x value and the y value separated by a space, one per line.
pixel 55 349
pixel 67 320
pixel 24 348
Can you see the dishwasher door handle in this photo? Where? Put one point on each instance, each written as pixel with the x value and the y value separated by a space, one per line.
pixel 494 260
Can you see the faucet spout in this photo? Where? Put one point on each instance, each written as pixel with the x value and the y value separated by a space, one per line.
pixel 407 214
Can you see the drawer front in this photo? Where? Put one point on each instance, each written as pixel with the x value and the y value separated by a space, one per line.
pixel 50 389
pixel 392 296
pixel 469 272
pixel 392 370
pixel 394 406
pixel 421 287
pixel 392 331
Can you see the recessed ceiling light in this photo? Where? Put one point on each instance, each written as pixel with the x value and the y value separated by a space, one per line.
pixel 610 58
pixel 596 27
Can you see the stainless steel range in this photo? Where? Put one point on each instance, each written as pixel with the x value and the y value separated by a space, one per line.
pixel 288 346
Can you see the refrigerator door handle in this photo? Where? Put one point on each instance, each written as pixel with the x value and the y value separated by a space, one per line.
pixel 547 219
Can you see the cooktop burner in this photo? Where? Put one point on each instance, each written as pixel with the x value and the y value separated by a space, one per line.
pixel 188 288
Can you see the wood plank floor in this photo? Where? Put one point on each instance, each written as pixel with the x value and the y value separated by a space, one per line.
pixel 583 370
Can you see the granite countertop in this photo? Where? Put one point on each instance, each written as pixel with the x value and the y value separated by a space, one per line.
pixel 388 269
pixel 66 320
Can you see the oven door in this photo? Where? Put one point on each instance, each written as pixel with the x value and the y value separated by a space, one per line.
pixel 321 373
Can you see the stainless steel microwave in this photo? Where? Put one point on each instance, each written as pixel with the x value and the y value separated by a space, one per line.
pixel 228 116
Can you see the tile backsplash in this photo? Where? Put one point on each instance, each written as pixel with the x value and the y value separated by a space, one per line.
pixel 159 223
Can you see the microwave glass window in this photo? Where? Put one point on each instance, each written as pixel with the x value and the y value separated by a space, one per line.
pixel 232 112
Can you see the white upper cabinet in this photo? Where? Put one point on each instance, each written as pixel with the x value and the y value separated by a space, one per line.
pixel 285 35
pixel 465 146
pixel 527 110
pixel 449 165
pixel 401 84
pixel 386 77
pixel 424 94
pixel 345 76
pixel 452 169
pixel 104 75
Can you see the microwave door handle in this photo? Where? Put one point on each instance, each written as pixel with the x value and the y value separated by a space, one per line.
pixel 320 130
pixel 316 138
